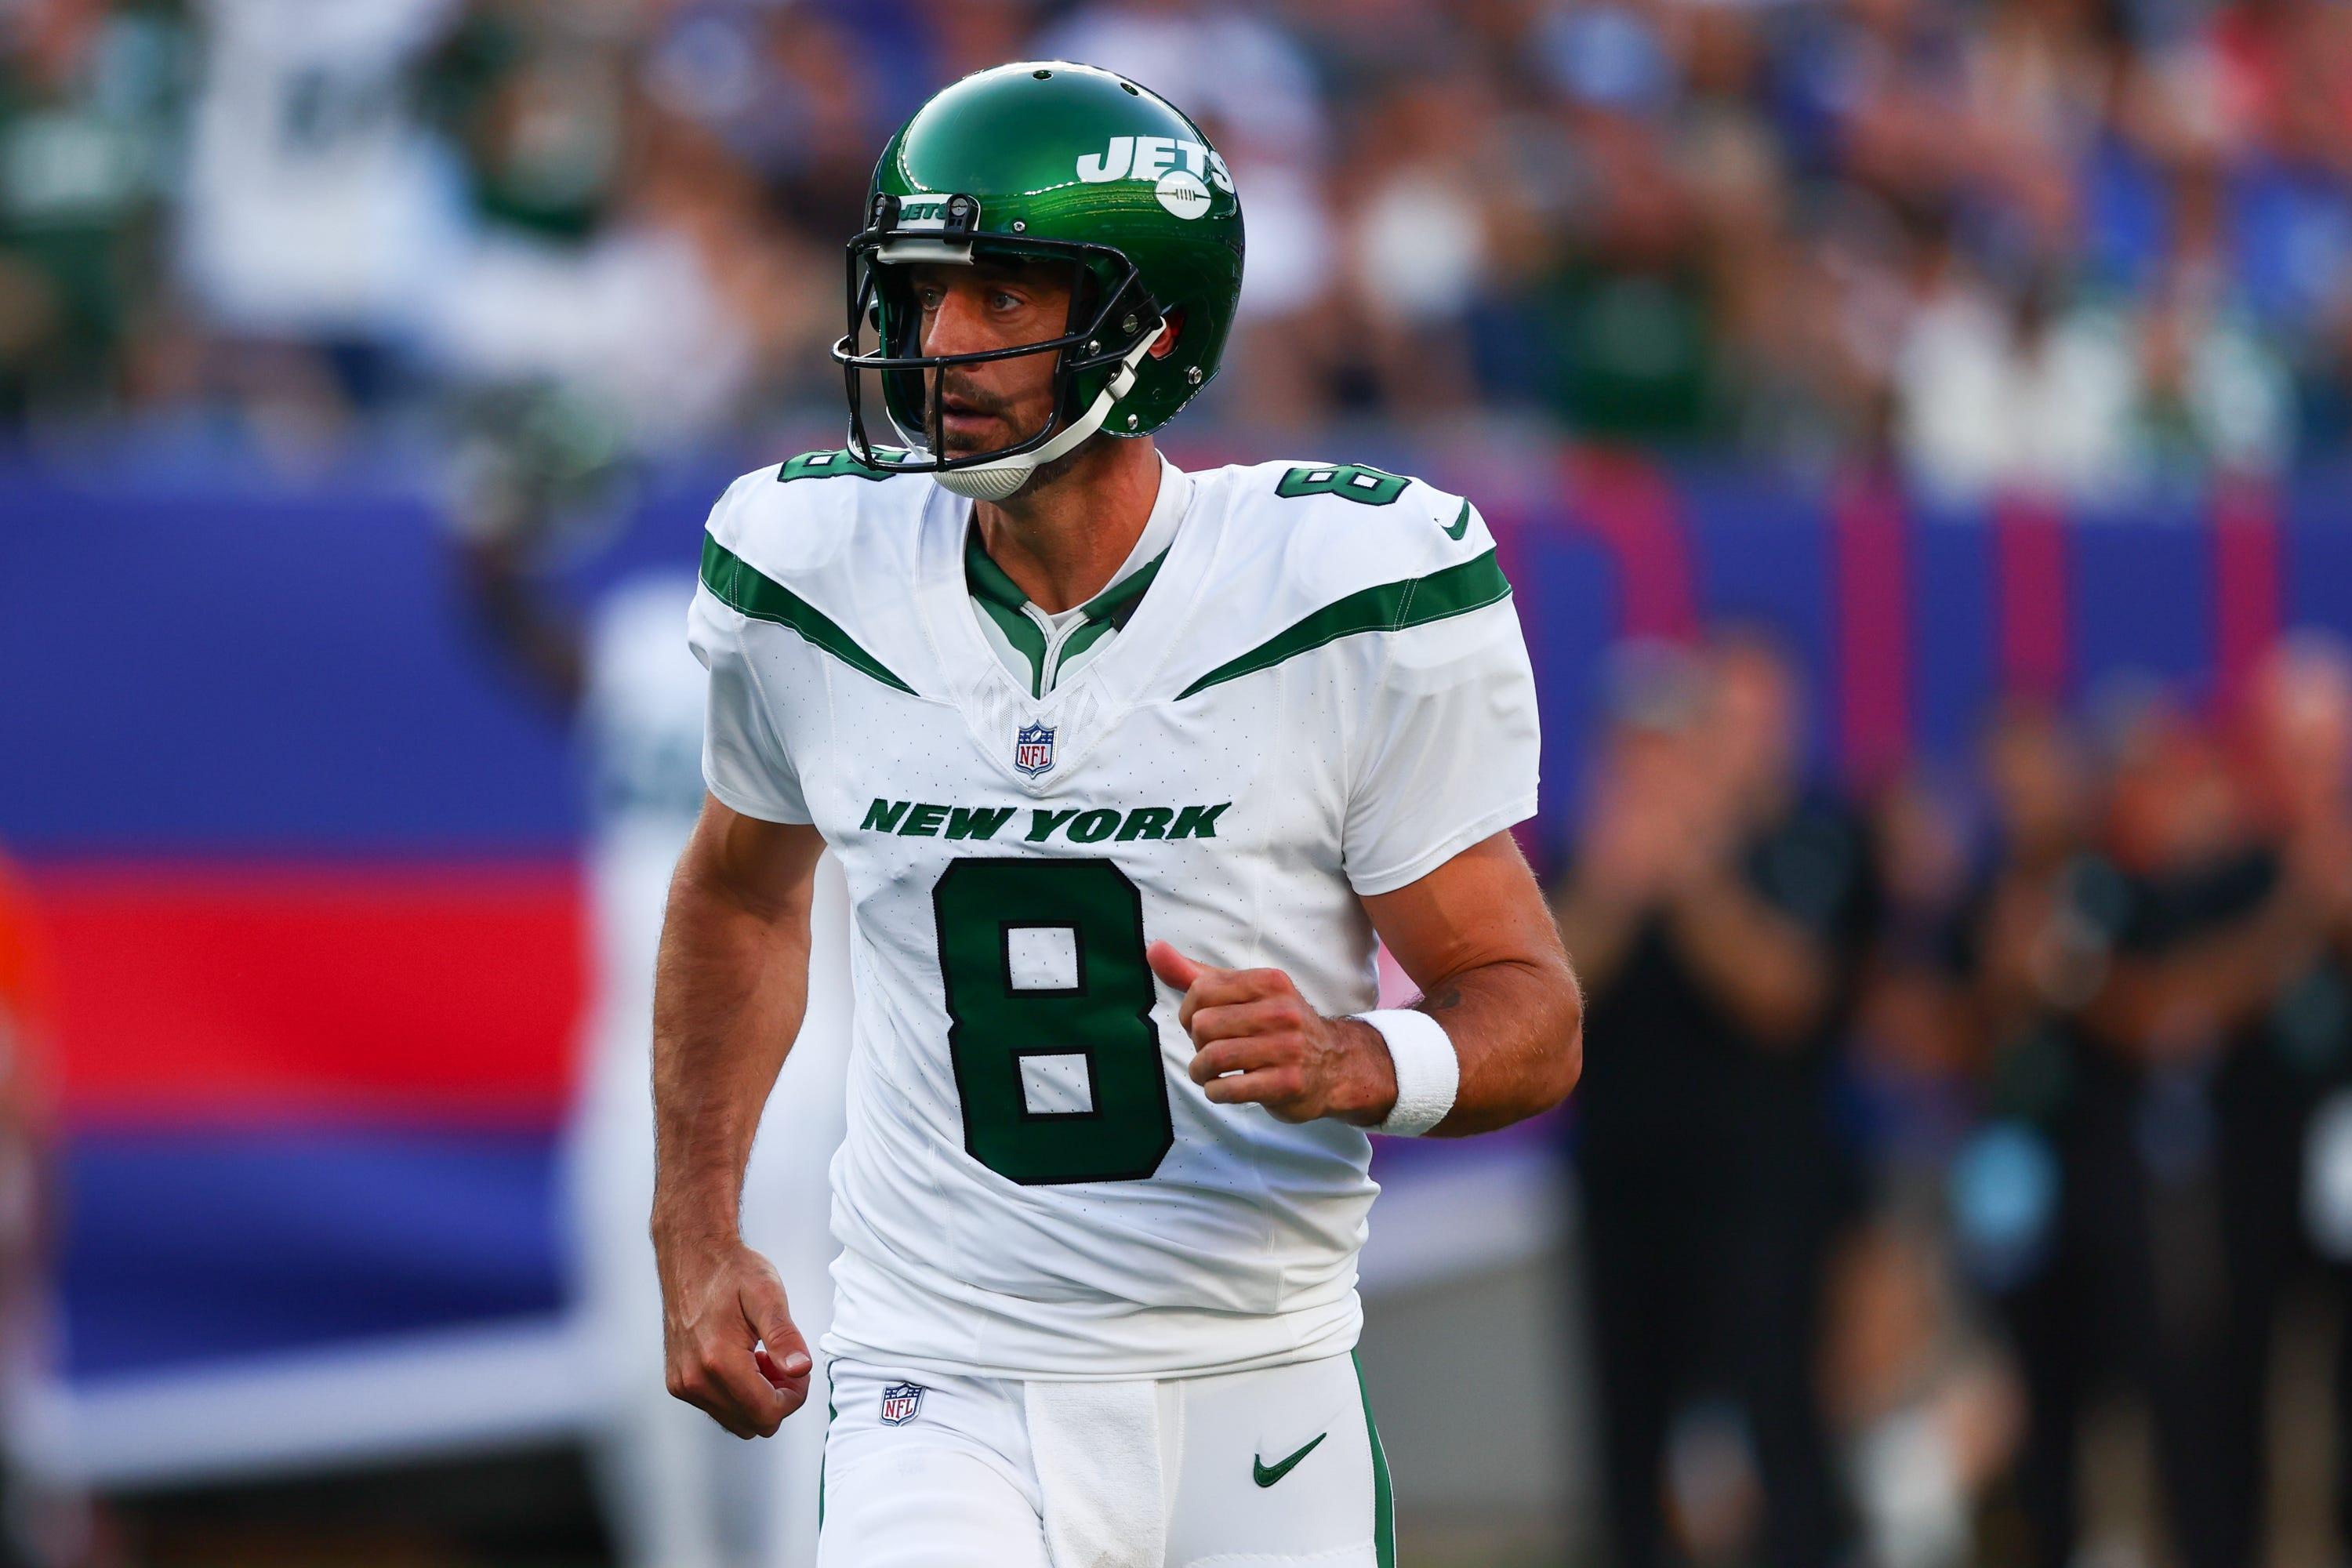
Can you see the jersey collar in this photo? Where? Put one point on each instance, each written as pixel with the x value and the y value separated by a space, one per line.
pixel 990 584
pixel 1029 629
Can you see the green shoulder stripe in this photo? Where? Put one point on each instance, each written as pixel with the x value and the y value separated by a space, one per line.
pixel 1391 606
pixel 742 588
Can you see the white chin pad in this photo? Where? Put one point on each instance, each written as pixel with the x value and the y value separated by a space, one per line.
pixel 989 481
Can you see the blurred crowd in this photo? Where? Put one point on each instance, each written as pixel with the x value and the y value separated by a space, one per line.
pixel 1914 1131
pixel 2077 246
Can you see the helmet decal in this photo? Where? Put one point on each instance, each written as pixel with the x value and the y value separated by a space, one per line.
pixel 1151 157
pixel 1182 194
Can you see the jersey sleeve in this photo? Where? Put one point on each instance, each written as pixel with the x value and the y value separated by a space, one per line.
pixel 1447 755
pixel 744 761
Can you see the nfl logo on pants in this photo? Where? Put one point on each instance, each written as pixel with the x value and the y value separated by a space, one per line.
pixel 899 1403
pixel 1033 749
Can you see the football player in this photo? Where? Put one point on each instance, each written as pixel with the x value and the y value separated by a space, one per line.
pixel 1127 768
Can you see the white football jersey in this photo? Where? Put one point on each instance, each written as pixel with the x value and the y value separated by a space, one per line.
pixel 1323 693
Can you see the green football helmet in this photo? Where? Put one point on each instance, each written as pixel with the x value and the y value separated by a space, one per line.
pixel 1046 160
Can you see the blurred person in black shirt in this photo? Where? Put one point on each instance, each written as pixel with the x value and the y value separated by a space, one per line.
pixel 2028 959
pixel 2160 957
pixel 1716 909
pixel 1924 1405
pixel 2301 729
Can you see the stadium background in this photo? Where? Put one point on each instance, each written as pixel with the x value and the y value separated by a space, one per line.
pixel 1981 351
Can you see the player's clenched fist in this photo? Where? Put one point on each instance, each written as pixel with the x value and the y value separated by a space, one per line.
pixel 727 1338
pixel 1260 1043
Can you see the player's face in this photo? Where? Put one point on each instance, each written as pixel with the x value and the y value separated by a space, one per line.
pixel 966 310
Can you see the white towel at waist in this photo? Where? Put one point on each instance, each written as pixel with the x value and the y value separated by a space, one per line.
pixel 1097 1446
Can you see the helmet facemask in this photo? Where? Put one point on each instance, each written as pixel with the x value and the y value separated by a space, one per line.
pixel 1111 327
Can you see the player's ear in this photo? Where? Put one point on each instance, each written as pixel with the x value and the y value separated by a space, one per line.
pixel 1165 343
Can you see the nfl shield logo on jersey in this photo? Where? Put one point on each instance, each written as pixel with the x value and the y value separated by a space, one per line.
pixel 1033 749
pixel 901 1401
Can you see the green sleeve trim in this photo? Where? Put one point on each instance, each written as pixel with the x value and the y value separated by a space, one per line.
pixel 1383 1493
pixel 741 587
pixel 1389 608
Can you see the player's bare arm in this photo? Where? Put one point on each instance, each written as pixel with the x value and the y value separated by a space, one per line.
pixel 1477 936
pixel 728 992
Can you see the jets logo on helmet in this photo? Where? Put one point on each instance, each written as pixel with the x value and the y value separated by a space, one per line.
pixel 1182 194
pixel 1032 162
pixel 1151 157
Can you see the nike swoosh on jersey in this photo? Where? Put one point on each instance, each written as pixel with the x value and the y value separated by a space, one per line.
pixel 1266 1475
pixel 1461 524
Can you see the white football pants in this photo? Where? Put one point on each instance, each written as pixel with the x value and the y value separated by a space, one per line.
pixel 1268 1469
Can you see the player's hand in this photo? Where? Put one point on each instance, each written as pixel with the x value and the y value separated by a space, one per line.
pixel 728 1344
pixel 1260 1044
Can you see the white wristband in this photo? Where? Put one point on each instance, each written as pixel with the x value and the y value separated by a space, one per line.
pixel 1428 1073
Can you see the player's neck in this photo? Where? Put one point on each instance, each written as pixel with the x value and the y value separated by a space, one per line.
pixel 1064 534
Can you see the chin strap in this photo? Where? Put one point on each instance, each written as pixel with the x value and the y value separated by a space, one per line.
pixel 994 481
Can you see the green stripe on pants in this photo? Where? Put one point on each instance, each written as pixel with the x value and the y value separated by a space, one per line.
pixel 1384 1499
pixel 829 1414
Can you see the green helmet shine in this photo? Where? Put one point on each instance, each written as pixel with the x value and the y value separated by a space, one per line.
pixel 1052 160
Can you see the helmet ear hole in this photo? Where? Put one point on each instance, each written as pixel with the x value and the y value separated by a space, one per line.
pixel 1170 335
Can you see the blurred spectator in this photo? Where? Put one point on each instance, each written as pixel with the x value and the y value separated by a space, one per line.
pixel 2156 953
pixel 2018 960
pixel 1922 1399
pixel 1717 911
pixel 2005 392
pixel 1914 1063
pixel 602 225
pixel 1625 318
pixel 313 210
pixel 89 99
pixel 2301 709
